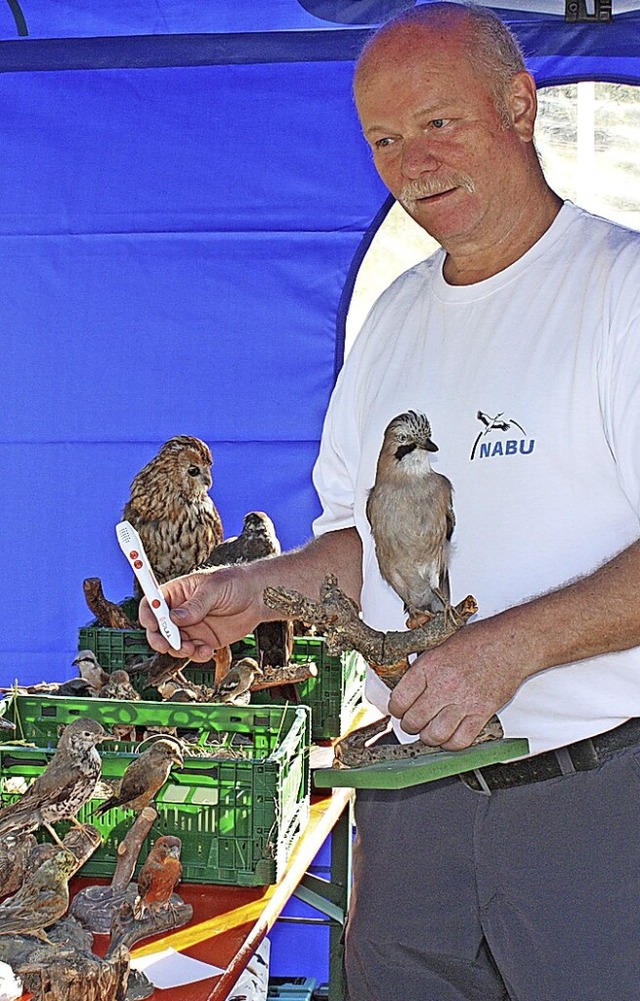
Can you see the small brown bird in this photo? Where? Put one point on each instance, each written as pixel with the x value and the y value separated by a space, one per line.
pixel 144 777
pixel 90 670
pixel 236 684
pixel 171 509
pixel 159 876
pixel 410 511
pixel 42 899
pixel 119 687
pixel 66 784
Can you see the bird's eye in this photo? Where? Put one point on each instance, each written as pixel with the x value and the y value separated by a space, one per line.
pixel 193 470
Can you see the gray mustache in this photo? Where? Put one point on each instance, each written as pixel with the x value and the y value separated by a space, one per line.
pixel 412 191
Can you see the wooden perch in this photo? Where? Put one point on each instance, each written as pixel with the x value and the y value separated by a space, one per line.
pixel 106 612
pixel 130 847
pixel 293 674
pixel 344 630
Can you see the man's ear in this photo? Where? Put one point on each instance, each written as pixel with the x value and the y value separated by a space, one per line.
pixel 522 101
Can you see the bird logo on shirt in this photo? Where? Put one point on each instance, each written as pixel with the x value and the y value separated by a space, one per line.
pixel 487 444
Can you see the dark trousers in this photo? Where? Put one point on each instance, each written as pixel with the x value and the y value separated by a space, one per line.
pixel 527 894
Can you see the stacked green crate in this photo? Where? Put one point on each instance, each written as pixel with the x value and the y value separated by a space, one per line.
pixel 333 694
pixel 238 817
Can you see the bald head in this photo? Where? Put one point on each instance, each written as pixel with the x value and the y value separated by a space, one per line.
pixel 482 38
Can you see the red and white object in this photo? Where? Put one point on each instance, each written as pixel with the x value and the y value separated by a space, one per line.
pixel 131 545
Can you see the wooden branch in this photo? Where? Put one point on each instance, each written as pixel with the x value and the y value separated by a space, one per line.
pixel 126 930
pixel 344 630
pixel 106 612
pixel 293 673
pixel 359 747
pixel 130 847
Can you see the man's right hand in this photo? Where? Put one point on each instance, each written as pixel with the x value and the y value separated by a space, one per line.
pixel 212 609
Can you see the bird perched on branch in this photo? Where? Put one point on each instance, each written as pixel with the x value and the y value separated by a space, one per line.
pixel 170 507
pixel 234 687
pixel 410 511
pixel 42 899
pixel 144 777
pixel 158 877
pixel 66 784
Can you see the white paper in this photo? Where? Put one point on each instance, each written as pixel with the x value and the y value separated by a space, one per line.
pixel 171 969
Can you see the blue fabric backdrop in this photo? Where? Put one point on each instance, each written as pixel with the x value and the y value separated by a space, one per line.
pixel 185 199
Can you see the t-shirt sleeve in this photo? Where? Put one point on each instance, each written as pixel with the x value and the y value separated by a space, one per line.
pixel 622 403
pixel 331 474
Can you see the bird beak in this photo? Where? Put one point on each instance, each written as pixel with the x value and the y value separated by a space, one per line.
pixel 430 446
pixel 109 736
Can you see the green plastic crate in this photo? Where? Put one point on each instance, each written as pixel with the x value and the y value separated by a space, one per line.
pixel 116 649
pixel 291 988
pixel 238 818
pixel 333 695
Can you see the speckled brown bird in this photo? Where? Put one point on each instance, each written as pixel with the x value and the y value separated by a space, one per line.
pixel 171 509
pixel 119 687
pixel 159 876
pixel 410 511
pixel 66 784
pixel 90 669
pixel 42 899
pixel 144 777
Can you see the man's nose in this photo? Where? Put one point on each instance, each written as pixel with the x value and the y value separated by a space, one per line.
pixel 418 157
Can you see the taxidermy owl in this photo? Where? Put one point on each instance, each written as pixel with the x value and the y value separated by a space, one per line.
pixel 171 508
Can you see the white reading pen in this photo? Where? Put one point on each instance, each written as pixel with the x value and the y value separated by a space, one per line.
pixel 131 546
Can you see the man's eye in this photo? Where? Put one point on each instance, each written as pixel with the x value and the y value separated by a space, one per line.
pixel 382 143
pixel 439 123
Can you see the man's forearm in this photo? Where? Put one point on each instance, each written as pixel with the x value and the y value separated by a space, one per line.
pixel 304 569
pixel 589 616
pixel 450 691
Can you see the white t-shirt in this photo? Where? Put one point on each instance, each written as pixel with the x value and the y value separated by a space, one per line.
pixel 531 382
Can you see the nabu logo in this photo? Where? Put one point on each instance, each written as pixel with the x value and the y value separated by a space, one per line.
pixel 489 444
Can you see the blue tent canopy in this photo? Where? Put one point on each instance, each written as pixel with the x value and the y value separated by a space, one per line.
pixel 186 200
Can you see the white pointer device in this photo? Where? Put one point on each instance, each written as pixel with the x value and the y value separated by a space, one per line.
pixel 131 546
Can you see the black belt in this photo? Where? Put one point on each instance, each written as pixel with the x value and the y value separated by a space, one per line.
pixel 581 756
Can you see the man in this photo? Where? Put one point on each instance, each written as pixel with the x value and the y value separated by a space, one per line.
pixel 520 340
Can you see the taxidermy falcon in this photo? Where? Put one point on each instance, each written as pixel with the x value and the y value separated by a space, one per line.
pixel 411 515
pixel 171 508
